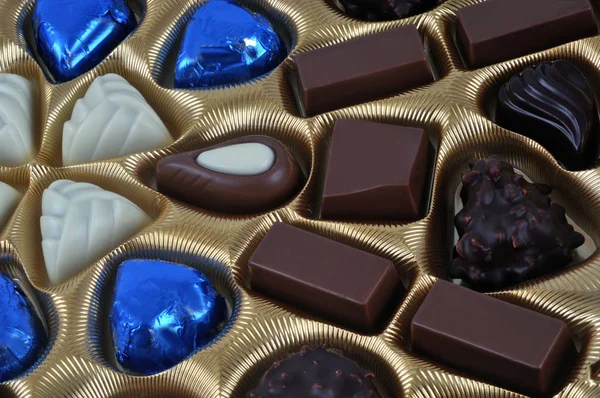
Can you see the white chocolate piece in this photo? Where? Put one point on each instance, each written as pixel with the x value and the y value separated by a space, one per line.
pixel 16 120
pixel 80 223
pixel 9 199
pixel 247 159
pixel 113 119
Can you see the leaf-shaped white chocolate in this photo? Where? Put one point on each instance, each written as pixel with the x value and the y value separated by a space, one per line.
pixel 9 199
pixel 112 119
pixel 16 120
pixel 80 223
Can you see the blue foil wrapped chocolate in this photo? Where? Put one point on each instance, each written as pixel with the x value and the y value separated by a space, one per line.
pixel 73 36
pixel 161 313
pixel 224 43
pixel 22 334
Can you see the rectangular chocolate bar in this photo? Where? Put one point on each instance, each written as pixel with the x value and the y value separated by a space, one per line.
pixel 511 346
pixel 499 30
pixel 360 70
pixel 324 277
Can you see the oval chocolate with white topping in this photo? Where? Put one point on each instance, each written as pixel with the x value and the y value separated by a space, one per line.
pixel 245 175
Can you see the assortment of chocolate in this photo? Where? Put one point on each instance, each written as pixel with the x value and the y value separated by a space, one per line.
pixel 161 313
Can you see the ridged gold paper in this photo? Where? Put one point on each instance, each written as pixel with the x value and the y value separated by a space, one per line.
pixel 455 112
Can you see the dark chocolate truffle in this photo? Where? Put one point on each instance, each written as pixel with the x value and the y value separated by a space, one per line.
pixel 245 175
pixel 553 104
pixel 386 10
pixel 316 373
pixel 509 229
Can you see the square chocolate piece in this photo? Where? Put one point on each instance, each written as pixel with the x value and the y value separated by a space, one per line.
pixel 375 171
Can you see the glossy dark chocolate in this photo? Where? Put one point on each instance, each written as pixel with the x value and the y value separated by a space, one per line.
pixel 316 373
pixel 499 30
pixel 324 277
pixel 375 171
pixel 510 230
pixel 181 177
pixel 386 10
pixel 553 104
pixel 360 70
pixel 510 346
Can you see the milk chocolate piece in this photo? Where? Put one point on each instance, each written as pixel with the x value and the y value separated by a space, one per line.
pixel 245 175
pixel 329 279
pixel 553 103
pixel 316 373
pixel 510 230
pixel 360 70
pixel 502 343
pixel 375 171
pixel 499 30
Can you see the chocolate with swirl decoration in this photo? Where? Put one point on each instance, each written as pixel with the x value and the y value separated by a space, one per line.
pixel 553 104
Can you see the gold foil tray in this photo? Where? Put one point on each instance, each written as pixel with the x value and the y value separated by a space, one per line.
pixel 454 110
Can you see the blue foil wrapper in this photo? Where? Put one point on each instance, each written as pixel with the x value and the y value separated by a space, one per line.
pixel 73 36
pixel 22 334
pixel 161 313
pixel 224 44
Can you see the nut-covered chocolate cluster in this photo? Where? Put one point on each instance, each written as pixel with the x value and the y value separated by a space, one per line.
pixel 384 10
pixel 316 373
pixel 509 228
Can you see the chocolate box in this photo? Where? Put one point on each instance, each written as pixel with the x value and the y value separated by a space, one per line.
pixel 455 110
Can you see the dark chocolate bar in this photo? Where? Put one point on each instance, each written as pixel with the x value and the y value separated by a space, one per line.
pixel 499 30
pixel 505 344
pixel 327 278
pixel 360 70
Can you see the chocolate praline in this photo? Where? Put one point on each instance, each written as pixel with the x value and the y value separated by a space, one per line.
pixel 316 373
pixel 22 333
pixel 231 184
pixel 161 313
pixel 510 230
pixel 553 103
pixel 385 10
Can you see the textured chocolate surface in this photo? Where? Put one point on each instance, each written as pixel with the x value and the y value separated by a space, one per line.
pixel 360 70
pixel 375 171
pixel 324 277
pixel 386 10
pixel 316 373
pixel 499 30
pixel 509 228
pixel 182 178
pixel 502 343
pixel 553 104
